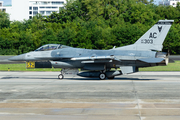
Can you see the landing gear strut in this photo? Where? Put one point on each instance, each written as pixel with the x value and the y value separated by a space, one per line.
pixel 67 71
pixel 61 75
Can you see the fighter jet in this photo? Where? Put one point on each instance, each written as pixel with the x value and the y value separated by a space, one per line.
pixel 145 52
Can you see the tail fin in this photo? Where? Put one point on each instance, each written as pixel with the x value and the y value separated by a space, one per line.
pixel 153 38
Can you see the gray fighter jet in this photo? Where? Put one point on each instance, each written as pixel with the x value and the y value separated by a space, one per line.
pixel 143 53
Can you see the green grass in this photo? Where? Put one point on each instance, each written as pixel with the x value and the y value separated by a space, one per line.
pixel 170 67
pixel 22 67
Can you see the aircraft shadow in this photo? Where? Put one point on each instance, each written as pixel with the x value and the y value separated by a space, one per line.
pixel 122 78
pixel 82 79
pixel 127 78
pixel 25 78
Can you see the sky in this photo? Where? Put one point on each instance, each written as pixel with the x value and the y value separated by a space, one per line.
pixel 8 2
pixel 157 2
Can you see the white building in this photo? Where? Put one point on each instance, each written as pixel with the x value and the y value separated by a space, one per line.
pixel 169 2
pixel 26 9
pixel 7 9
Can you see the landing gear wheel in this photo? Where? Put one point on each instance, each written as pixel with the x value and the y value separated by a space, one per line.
pixel 102 76
pixel 111 77
pixel 60 76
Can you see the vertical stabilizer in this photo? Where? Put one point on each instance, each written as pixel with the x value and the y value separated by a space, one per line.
pixel 155 36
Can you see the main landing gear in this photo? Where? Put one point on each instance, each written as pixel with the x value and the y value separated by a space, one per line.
pixel 102 76
pixel 105 74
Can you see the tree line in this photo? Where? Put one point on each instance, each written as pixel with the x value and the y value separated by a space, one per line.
pixel 90 24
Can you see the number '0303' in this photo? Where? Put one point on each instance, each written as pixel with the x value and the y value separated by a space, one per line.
pixel 147 41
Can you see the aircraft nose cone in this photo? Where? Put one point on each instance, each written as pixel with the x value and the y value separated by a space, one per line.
pixel 18 58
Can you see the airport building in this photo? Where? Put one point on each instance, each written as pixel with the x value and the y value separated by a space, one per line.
pixel 169 2
pixel 26 9
pixel 7 9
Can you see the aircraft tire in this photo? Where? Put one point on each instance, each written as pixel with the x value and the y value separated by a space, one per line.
pixel 102 76
pixel 111 77
pixel 61 76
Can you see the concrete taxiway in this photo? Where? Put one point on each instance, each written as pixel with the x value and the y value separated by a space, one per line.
pixel 40 95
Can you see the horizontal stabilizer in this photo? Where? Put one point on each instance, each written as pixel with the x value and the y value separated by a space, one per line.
pixel 128 69
pixel 151 60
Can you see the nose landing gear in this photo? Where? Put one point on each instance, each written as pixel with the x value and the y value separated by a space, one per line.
pixel 61 75
pixel 67 72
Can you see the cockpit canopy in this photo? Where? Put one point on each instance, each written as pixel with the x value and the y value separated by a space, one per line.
pixel 51 47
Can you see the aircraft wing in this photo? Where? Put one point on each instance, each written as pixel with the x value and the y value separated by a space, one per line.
pixel 96 59
pixel 151 60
